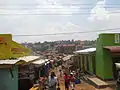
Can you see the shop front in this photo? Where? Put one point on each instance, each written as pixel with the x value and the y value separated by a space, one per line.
pixel 85 60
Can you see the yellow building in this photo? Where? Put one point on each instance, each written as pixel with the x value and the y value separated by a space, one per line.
pixel 11 49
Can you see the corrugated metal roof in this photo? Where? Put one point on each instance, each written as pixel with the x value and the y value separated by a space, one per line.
pixel 88 50
pixel 29 58
pixel 114 49
pixel 41 61
pixel 24 59
pixel 67 57
pixel 9 61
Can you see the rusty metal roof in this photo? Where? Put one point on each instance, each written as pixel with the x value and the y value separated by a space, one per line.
pixel 113 49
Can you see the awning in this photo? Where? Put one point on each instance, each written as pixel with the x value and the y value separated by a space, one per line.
pixel 113 49
pixel 85 51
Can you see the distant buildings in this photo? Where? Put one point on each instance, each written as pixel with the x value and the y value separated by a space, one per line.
pixel 68 48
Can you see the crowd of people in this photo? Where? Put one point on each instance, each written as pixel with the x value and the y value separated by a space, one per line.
pixel 52 82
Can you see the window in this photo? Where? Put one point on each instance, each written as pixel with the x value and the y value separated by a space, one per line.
pixel 117 38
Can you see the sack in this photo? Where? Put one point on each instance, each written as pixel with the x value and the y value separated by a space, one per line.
pixel 77 81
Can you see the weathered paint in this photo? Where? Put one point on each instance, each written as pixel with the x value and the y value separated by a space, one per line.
pixel 5 40
pixel 18 50
pixel 103 56
pixel 11 49
pixel 7 82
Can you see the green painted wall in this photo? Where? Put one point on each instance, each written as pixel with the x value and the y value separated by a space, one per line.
pixel 108 70
pixel 91 63
pixel 103 56
pixel 6 81
pixel 82 58
pixel 99 58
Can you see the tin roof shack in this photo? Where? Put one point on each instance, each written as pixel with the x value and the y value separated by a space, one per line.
pixel 85 60
pixel 8 68
pixel 9 74
pixel 17 74
pixel 27 72
pixel 107 54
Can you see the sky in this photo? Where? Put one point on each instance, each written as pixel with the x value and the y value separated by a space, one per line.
pixel 31 17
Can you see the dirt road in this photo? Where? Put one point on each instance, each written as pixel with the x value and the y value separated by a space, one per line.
pixel 82 86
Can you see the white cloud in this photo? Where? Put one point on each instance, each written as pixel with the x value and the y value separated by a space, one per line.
pixel 48 24
pixel 40 7
pixel 101 18
pixel 38 24
pixel 99 12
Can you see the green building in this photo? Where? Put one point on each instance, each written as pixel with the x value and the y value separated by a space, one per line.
pixel 107 54
pixel 85 60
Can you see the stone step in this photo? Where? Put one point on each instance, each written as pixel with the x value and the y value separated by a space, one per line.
pixel 98 83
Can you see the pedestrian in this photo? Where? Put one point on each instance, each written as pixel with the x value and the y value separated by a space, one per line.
pixel 60 71
pixel 42 83
pixel 72 81
pixel 52 81
pixel 66 81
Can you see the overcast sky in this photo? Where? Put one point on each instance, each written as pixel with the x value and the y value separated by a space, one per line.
pixel 27 17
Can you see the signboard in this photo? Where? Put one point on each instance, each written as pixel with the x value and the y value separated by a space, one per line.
pixel 5 40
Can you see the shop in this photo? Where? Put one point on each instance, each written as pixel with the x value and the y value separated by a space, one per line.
pixel 9 74
pixel 85 60
pixel 107 54
pixel 101 60
pixel 28 72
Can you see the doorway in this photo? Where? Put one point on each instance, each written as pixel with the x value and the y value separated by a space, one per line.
pixel 115 60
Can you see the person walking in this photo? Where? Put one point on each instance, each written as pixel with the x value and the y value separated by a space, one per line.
pixel 42 83
pixel 60 73
pixel 72 83
pixel 52 81
pixel 66 81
